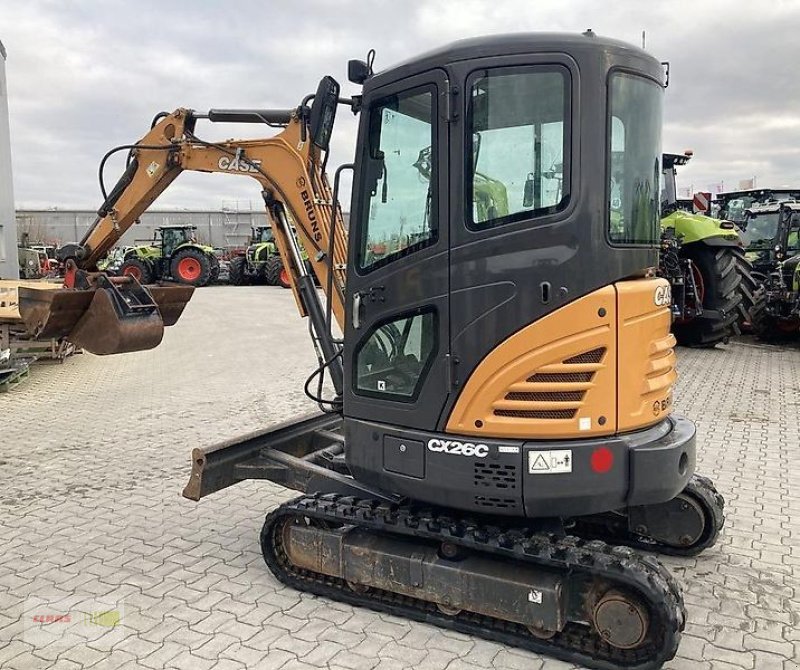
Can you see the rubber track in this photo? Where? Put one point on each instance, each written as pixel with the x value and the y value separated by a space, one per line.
pixel 614 567
pixel 702 490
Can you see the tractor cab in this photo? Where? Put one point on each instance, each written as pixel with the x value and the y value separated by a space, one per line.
pixel 734 205
pixel 262 234
pixel 170 238
pixel 770 233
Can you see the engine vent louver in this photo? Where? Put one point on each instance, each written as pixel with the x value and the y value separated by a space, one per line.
pixel 502 503
pixel 593 356
pixel 533 396
pixel 537 413
pixel 495 476
pixel 497 483
pixel 560 379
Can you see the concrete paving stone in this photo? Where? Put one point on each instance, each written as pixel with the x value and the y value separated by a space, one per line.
pixel 162 657
pixel 65 664
pixel 322 654
pixel 401 652
pixel 83 654
pixel 715 654
pixel 347 659
pixel 91 507
pixel 228 664
pixel 216 645
pixel 437 659
pixel 11 649
pixel 25 661
pixel 137 646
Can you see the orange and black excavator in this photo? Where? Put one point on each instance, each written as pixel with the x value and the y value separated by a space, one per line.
pixel 499 440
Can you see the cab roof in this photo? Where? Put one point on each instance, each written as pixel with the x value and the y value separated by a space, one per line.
pixel 512 44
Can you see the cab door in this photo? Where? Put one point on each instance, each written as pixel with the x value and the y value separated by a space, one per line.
pixel 396 352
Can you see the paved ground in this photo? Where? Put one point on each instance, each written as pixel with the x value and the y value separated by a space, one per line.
pixel 94 454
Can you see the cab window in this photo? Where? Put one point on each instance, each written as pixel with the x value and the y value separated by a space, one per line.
pixel 634 159
pixel 400 175
pixel 393 359
pixel 517 144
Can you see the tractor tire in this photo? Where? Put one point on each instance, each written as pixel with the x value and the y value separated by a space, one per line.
pixel 191 266
pixel 751 282
pixel 236 274
pixel 275 273
pixel 767 327
pixel 138 269
pixel 214 269
pixel 719 285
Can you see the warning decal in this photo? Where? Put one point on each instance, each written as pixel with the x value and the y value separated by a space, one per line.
pixel 554 462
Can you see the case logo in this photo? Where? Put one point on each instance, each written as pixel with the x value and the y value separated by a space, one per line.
pixel 236 164
pixel 456 448
pixel 663 296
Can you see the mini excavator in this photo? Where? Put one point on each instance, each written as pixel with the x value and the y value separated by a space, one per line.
pixel 495 442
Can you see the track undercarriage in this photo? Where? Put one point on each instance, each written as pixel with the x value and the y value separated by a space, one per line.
pixel 576 588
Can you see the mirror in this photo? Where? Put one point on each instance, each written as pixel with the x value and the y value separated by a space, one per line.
pixel 323 112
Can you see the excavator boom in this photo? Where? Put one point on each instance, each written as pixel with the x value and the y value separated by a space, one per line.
pixel 114 315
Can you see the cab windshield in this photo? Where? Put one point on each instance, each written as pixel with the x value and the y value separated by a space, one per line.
pixel 760 230
pixel 634 151
pixel 264 235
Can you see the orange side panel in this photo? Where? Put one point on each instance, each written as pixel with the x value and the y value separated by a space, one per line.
pixel 647 357
pixel 555 378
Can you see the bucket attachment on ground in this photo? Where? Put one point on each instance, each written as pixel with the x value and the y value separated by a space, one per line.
pixel 115 315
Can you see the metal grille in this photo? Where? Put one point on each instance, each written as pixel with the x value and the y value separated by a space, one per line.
pixel 593 356
pixel 495 476
pixel 537 413
pixel 547 396
pixel 504 503
pixel 561 377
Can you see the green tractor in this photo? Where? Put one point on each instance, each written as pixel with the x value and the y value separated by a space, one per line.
pixel 174 254
pixel 771 225
pixel 703 258
pixel 261 262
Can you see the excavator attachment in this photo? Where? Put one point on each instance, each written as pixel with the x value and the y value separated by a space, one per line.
pixel 113 316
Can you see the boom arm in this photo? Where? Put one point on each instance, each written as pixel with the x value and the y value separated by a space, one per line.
pixel 288 167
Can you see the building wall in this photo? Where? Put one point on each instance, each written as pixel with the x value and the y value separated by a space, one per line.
pixel 9 268
pixel 219 228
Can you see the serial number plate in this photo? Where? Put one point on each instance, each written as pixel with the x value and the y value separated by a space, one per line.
pixel 553 462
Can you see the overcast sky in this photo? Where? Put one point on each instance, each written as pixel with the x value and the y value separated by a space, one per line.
pixel 84 76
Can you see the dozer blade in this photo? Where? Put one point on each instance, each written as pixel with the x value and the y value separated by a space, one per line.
pixel 117 316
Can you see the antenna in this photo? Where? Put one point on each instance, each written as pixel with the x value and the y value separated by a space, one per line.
pixel 644 40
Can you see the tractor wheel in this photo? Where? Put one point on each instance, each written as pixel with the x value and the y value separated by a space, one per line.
pixel 767 327
pixel 191 266
pixel 214 269
pixel 236 271
pixel 275 273
pixel 718 283
pixel 138 269
pixel 751 282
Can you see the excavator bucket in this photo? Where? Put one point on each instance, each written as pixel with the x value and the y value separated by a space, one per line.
pixel 118 315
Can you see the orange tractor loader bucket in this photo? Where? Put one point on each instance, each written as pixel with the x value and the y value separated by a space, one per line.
pixel 115 316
